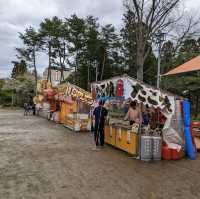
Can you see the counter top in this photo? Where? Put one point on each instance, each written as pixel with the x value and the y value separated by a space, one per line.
pixel 127 127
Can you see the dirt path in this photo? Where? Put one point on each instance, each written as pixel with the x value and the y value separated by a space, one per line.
pixel 42 160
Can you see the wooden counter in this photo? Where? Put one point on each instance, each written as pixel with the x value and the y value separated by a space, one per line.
pixel 71 124
pixel 121 137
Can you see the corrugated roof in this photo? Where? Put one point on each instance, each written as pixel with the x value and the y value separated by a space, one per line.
pixel 190 66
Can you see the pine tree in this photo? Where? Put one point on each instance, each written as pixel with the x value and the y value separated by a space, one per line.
pixel 49 33
pixel 129 43
pixel 110 52
pixel 32 45
pixel 77 44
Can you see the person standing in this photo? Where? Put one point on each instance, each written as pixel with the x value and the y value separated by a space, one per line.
pixel 100 113
pixel 29 108
pixel 34 109
pixel 146 115
pixel 25 109
pixel 133 114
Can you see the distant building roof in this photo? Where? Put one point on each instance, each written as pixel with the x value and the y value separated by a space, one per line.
pixel 190 66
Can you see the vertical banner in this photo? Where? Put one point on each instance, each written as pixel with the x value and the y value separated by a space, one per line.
pixel 119 131
pixel 110 131
pixel 128 136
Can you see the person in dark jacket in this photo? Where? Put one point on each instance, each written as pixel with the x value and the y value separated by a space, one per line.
pixel 25 109
pixel 34 109
pixel 100 113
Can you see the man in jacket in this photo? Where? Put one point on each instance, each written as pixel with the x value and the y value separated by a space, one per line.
pixel 100 113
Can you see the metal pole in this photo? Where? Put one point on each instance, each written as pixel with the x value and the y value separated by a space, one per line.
pixel 160 38
pixel 12 98
pixel 88 80
pixel 159 61
pixel 96 73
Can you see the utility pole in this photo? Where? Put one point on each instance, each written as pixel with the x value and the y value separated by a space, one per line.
pixel 160 38
pixel 159 61
pixel 88 76
pixel 96 67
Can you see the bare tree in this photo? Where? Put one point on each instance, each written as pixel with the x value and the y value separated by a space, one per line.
pixel 149 17
pixel 188 27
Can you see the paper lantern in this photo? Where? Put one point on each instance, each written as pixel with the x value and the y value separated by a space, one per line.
pixel 120 88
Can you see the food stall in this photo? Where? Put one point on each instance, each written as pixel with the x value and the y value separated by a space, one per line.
pixel 75 107
pixel 46 101
pixel 166 128
pixel 196 133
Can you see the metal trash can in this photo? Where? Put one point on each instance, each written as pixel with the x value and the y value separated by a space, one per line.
pixel 146 148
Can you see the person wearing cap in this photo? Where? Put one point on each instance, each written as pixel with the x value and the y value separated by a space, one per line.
pixel 100 113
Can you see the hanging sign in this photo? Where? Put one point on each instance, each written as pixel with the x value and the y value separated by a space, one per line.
pixel 130 88
pixel 77 93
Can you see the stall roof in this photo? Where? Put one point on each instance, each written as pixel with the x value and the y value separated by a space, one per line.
pixel 190 66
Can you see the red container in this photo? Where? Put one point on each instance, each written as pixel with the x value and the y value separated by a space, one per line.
pixel 177 155
pixel 166 153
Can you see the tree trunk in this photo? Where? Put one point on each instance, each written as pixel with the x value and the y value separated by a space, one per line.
pixel 49 68
pixel 88 77
pixel 140 58
pixel 103 65
pixel 140 66
pixel 140 72
pixel 61 69
pixel 63 63
pixel 35 70
pixel 75 69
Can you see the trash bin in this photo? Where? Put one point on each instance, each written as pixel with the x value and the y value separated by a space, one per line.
pixel 146 147
pixel 157 146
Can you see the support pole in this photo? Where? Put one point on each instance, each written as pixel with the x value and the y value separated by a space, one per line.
pixel 159 61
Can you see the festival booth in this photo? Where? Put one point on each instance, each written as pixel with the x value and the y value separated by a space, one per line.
pixel 75 107
pixel 190 66
pixel 47 105
pixel 165 136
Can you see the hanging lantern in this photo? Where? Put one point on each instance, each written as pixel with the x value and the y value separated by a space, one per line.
pixel 94 93
pixel 120 88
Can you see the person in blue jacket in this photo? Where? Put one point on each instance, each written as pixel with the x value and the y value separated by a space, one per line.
pixel 100 113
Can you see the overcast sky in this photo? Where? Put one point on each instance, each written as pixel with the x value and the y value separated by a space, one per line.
pixel 16 15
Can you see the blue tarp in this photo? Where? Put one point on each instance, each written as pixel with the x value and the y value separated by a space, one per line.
pixel 189 146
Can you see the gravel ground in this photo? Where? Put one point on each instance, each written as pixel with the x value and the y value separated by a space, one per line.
pixel 43 160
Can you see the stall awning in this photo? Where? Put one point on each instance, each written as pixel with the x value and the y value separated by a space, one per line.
pixel 190 66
